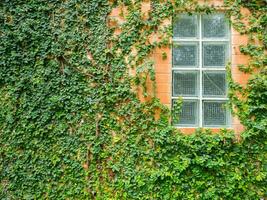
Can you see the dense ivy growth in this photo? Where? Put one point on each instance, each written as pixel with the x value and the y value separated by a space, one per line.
pixel 72 125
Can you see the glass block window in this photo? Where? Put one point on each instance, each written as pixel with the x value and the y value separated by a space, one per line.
pixel 214 83
pixel 214 26
pixel 185 26
pixel 185 55
pixel 200 53
pixel 185 83
pixel 214 54
pixel 214 113
pixel 188 114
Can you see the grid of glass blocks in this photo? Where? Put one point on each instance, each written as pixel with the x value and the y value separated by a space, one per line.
pixel 200 54
pixel 185 83
pixel 214 54
pixel 214 113
pixel 214 26
pixel 214 83
pixel 185 26
pixel 185 55
pixel 188 114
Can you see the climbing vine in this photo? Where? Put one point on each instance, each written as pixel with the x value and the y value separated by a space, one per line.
pixel 72 125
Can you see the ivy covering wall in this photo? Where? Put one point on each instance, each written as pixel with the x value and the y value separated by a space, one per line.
pixel 73 127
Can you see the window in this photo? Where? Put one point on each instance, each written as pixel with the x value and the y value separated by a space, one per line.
pixel 200 53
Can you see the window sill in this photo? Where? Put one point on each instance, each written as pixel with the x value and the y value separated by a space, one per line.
pixel 190 130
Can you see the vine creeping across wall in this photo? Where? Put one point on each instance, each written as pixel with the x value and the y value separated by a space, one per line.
pixel 72 126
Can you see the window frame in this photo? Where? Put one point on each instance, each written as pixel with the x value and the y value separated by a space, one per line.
pixel 200 68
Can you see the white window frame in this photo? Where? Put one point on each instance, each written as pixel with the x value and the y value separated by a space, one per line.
pixel 200 98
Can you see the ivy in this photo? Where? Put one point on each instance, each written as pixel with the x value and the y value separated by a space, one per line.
pixel 72 125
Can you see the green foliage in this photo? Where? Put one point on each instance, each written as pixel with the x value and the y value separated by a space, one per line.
pixel 176 109
pixel 72 126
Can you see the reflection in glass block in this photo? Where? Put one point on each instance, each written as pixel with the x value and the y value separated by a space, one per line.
pixel 214 84
pixel 214 26
pixel 215 113
pixel 189 113
pixel 214 55
pixel 185 55
pixel 185 83
pixel 185 26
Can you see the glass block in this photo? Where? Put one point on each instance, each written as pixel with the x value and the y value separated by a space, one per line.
pixel 189 114
pixel 185 26
pixel 215 113
pixel 214 55
pixel 185 83
pixel 214 26
pixel 185 55
pixel 214 84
